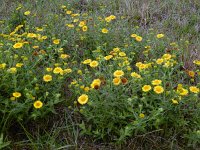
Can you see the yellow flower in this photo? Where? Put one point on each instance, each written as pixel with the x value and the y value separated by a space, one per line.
pixel 56 41
pixel 141 115
pixel 64 56
pixel 67 70
pixel 96 84
pixel 133 35
pixel 70 25
pixel 27 13
pixel 138 38
pixel 47 78
pixel 87 61
pixel 116 81
pixel 108 19
pixel 160 36
pixel 116 49
pixel 49 69
pixel 134 74
pixel 183 92
pixel 68 12
pixel 118 73
pixel 158 89
pixel 38 104
pixel 194 89
pixel 81 24
pixel 104 30
pixel 31 35
pixel 75 20
pixel 112 17
pixel 84 28
pixel 191 74
pixel 2 66
pixel 94 64
pixel 58 70
pixel 17 45
pixel 19 65
pixel 166 56
pixel 12 70
pixel 146 88
pixel 174 101
pixel 197 62
pixel 17 94
pixel 156 82
pixel 80 72
pixel 159 61
pixel 122 54
pixel 108 57
pixel 63 6
pixel 12 98
pixel 83 99
pixel 86 89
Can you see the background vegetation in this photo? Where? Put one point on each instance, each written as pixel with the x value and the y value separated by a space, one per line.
pixel 64 127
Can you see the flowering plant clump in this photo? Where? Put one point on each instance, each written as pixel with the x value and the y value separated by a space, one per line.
pixel 122 82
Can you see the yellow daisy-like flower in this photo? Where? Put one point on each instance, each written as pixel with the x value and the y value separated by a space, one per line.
pixel 138 38
pixel 104 30
pixel 141 115
pixel 146 88
pixel 191 74
pixel 31 35
pixel 122 54
pixel 116 49
pixel 27 13
pixel 116 81
pixel 197 62
pixel 174 101
pixel 96 84
pixel 2 66
pixel 49 69
pixel 108 57
pixel 17 45
pixel 84 28
pixel 19 65
pixel 94 64
pixel 159 61
pixel 56 41
pixel 47 78
pixel 108 19
pixel 38 104
pixel 83 99
pixel 64 56
pixel 183 92
pixel 81 24
pixel 112 17
pixel 67 70
pixel 134 35
pixel 194 89
pixel 12 70
pixel 87 61
pixel 12 98
pixel 118 73
pixel 70 25
pixel 58 70
pixel 160 36
pixel 158 89
pixel 166 56
pixel 86 89
pixel 17 94
pixel 156 82
pixel 135 75
pixel 68 12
